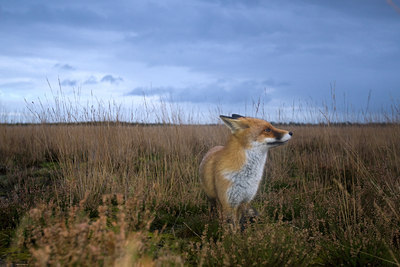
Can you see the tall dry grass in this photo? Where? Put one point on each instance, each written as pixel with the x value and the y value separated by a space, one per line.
pixel 121 194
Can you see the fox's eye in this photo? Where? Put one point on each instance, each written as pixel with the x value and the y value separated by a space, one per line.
pixel 268 130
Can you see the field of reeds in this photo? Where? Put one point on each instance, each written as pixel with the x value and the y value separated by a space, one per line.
pixel 119 194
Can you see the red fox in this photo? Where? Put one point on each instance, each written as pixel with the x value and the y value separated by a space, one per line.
pixel 230 174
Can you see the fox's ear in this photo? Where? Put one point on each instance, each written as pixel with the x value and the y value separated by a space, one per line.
pixel 236 116
pixel 234 123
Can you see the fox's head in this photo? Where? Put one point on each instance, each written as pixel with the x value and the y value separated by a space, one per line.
pixel 255 132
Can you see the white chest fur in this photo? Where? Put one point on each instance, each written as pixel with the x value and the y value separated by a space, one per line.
pixel 245 181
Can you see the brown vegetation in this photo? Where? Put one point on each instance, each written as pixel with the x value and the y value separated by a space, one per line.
pixel 123 195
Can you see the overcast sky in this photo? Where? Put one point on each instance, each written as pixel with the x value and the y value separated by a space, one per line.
pixel 201 53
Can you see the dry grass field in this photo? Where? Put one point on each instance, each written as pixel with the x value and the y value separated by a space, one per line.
pixel 116 194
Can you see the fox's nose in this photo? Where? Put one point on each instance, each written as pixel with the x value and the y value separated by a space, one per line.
pixel 290 133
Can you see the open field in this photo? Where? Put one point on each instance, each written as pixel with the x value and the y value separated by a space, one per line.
pixel 123 195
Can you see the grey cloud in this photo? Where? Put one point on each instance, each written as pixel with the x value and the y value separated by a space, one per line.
pixel 111 79
pixel 307 44
pixel 91 80
pixel 66 67
pixel 150 91
pixel 270 39
pixel 44 12
pixel 190 34
pixel 221 91
pixel 68 82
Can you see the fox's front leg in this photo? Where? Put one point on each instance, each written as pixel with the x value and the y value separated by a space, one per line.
pixel 249 211
pixel 248 214
pixel 230 214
